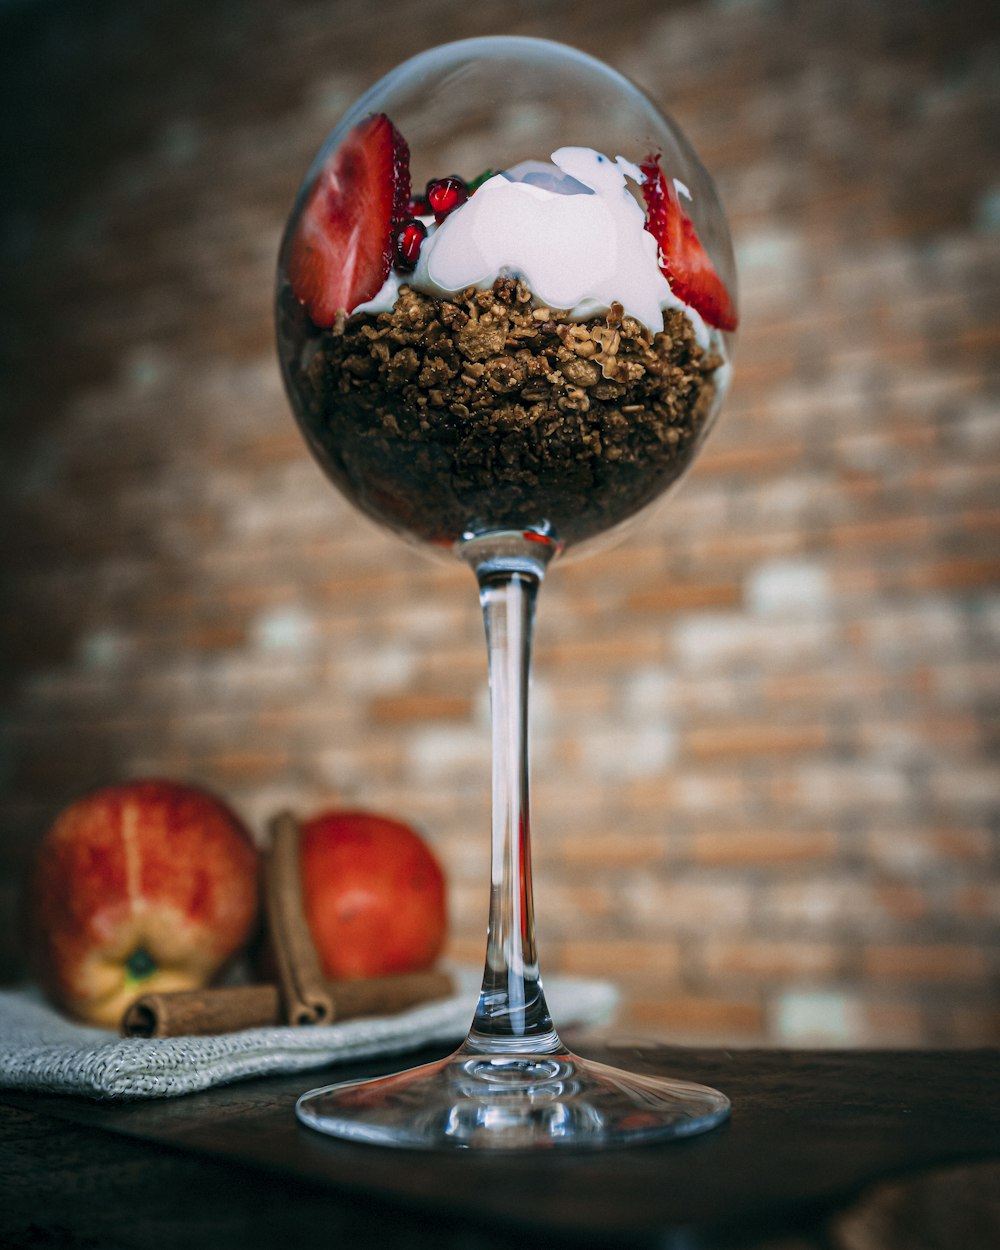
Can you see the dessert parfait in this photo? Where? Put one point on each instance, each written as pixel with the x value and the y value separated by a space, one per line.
pixel 506 363
pixel 539 348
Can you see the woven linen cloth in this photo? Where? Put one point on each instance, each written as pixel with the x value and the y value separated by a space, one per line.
pixel 42 1050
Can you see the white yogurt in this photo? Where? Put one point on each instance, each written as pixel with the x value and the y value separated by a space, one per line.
pixel 573 232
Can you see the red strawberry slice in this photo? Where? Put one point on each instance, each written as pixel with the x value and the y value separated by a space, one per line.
pixel 343 245
pixel 683 260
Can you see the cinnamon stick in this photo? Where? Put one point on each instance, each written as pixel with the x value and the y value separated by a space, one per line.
pixel 197 1013
pixel 304 996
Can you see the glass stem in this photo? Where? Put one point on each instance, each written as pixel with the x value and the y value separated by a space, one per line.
pixel 512 1016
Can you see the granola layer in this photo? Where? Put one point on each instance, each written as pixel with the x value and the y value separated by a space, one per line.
pixel 446 417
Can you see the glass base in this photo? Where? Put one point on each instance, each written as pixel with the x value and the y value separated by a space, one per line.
pixel 512 1102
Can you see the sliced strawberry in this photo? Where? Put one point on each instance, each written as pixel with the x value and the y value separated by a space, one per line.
pixel 343 245
pixel 683 260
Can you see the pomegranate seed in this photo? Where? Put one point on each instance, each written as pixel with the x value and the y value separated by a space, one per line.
pixel 419 207
pixel 408 242
pixel 444 195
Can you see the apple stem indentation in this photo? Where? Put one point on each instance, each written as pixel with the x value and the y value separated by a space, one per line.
pixel 140 964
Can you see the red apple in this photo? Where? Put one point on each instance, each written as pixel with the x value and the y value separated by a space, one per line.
pixel 374 895
pixel 141 887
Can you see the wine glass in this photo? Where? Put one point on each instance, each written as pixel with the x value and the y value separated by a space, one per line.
pixel 505 309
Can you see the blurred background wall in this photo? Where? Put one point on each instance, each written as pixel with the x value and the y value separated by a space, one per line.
pixel 765 781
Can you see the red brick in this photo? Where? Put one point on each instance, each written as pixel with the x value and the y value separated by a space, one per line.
pixel 980 337
pixel 901 900
pixel 628 648
pixel 615 850
pixel 770 457
pixel 960 573
pixel 728 741
pixel 777 961
pixel 619 957
pixel 981 901
pixel 576 907
pixel 979 520
pixel 785 689
pixel 352 585
pixel 397 709
pixel 247 597
pixel 747 847
pixel 975 1024
pixel 715 1019
pixel 740 547
pixel 963 843
pixel 578 698
pixel 687 903
pixel 894 1024
pixel 465 949
pixel 218 637
pixel 447 661
pixel 680 596
pixel 267 450
pixel 248 764
pixel 635 560
pixel 884 532
pixel 926 963
pixel 942 731
pixel 964 481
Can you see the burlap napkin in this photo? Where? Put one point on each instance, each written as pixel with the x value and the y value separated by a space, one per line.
pixel 41 1050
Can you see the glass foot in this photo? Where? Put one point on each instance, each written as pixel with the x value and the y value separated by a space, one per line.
pixel 512 1102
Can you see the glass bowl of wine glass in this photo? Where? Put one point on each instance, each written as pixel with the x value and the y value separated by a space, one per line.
pixel 506 310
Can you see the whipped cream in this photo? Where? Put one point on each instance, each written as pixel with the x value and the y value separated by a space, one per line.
pixel 571 230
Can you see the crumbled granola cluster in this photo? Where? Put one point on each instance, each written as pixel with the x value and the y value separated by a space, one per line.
pixel 446 416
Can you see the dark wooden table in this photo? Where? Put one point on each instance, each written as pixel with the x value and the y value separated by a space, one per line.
pixel 810 1132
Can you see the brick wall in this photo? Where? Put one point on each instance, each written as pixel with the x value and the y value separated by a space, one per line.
pixel 766 794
